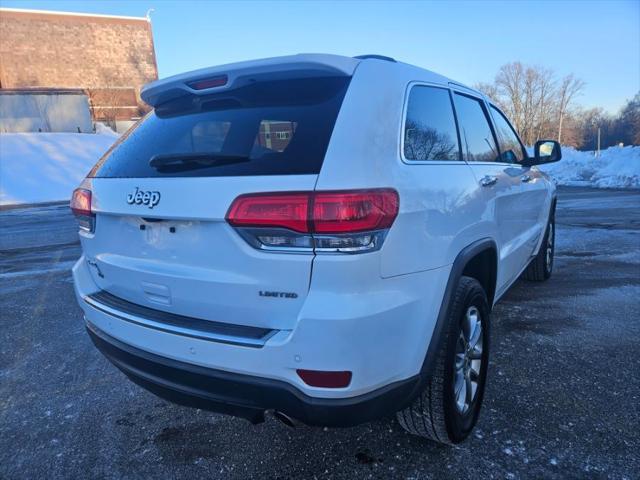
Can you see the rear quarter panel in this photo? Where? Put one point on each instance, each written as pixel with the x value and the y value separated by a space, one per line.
pixel 440 209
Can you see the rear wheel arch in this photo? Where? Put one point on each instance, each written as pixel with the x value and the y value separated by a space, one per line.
pixel 484 268
pixel 471 258
pixel 447 407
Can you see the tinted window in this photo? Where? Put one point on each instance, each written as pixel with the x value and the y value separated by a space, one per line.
pixel 478 144
pixel 510 147
pixel 430 128
pixel 265 128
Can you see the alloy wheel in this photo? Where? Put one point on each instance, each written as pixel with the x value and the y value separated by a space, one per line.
pixel 468 360
pixel 549 248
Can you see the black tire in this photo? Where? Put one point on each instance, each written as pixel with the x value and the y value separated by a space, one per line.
pixel 435 414
pixel 541 266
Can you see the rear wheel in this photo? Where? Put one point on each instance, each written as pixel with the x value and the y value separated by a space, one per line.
pixel 447 409
pixel 541 266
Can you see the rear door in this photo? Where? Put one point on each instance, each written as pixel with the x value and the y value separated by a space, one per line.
pixel 162 193
pixel 498 183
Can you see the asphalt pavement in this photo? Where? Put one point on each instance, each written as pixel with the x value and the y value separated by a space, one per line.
pixel 563 398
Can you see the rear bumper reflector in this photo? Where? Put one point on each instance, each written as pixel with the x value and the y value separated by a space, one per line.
pixel 324 379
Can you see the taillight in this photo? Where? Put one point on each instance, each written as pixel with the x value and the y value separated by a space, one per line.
pixel 81 207
pixel 289 210
pixel 341 221
pixel 343 212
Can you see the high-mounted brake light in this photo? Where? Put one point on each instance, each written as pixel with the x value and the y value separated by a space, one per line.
pixel 332 221
pixel 205 83
pixel 81 207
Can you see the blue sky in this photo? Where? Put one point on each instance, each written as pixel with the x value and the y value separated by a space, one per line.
pixel 599 41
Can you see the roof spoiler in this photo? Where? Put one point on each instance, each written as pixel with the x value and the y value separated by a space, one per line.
pixel 228 77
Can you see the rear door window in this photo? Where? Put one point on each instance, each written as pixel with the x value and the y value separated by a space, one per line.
pixel 265 128
pixel 476 137
pixel 511 150
pixel 430 127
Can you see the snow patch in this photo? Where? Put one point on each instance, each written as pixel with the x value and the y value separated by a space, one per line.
pixel 616 167
pixel 46 167
pixel 102 129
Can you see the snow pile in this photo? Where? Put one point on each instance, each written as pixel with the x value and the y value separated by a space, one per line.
pixel 616 167
pixel 46 167
pixel 102 129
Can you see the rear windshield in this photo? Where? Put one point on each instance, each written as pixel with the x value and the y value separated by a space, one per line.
pixel 266 128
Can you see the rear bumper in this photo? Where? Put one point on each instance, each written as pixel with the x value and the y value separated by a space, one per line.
pixel 380 331
pixel 245 395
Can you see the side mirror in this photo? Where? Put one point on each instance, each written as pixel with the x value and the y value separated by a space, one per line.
pixel 544 151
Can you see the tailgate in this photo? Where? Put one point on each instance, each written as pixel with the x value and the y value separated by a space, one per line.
pixel 182 257
pixel 161 194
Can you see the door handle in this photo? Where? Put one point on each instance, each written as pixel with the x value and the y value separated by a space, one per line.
pixel 525 178
pixel 488 180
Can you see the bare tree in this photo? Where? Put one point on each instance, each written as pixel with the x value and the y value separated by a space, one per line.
pixel 509 87
pixel 424 143
pixel 116 103
pixel 532 99
pixel 545 102
pixel 540 106
pixel 489 89
pixel 630 120
pixel 102 103
pixel 624 127
pixel 569 89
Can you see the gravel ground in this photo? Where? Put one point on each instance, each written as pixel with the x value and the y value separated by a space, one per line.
pixel 563 399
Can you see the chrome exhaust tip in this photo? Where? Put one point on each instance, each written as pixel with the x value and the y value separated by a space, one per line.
pixel 286 419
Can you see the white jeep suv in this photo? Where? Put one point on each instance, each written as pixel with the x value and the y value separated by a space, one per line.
pixel 316 236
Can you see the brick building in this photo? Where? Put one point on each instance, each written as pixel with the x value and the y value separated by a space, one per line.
pixel 109 57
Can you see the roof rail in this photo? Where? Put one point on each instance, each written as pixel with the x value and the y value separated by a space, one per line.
pixel 376 57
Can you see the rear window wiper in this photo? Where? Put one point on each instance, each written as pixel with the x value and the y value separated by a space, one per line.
pixel 189 161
